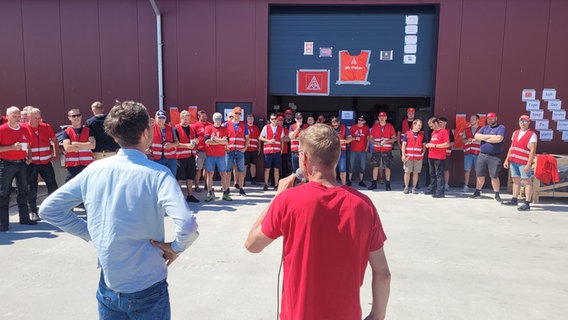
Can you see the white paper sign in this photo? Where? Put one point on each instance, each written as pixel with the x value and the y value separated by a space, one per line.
pixel 411 19
pixel 529 94
pixel 554 104
pixel 559 115
pixel 347 115
pixel 411 29
pixel 533 105
pixel 562 125
pixel 541 124
pixel 410 39
pixel 409 59
pixel 548 94
pixel 410 48
pixel 537 114
pixel 546 135
pixel 308 48
pixel 564 135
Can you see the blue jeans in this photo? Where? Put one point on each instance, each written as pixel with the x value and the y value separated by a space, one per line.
pixel 342 164
pixel 151 303
pixel 295 157
pixel 235 157
pixel 358 158
pixel 470 161
pixel 170 163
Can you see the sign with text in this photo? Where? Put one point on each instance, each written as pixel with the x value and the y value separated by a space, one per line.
pixel 564 135
pixel 558 115
pixel 537 114
pixel 533 105
pixel 529 94
pixel 548 94
pixel 554 104
pixel 311 82
pixel 562 125
pixel 541 124
pixel 546 135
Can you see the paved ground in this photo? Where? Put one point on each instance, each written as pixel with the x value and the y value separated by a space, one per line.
pixel 452 258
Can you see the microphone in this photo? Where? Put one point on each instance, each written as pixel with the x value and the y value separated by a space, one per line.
pixel 299 177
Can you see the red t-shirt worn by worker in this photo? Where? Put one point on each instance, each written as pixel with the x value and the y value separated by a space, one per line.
pixel 361 132
pixel 328 234
pixel 215 150
pixel 9 136
pixel 438 137
pixel 199 127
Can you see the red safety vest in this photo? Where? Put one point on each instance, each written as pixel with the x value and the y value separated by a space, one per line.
pixel 183 153
pixel 40 144
pixel 448 149
pixel 378 133
pixel 414 145
pixel 273 147
pixel 82 157
pixel 285 145
pixel 236 139
pixel 405 126
pixel 471 147
pixel 342 130
pixel 158 145
pixel 254 133
pixel 294 143
pixel 519 150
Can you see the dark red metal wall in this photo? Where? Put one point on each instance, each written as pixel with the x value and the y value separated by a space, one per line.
pixel 62 54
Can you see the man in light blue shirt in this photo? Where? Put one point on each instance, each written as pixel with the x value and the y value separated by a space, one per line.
pixel 126 197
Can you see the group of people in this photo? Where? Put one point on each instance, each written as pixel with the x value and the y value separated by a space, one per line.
pixel 126 220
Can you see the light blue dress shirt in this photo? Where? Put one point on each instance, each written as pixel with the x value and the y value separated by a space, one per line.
pixel 126 198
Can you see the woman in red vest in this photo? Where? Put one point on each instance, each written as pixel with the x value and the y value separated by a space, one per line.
pixel 520 160
pixel 412 154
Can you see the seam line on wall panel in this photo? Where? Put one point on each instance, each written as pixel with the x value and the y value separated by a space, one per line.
pixel 502 55
pixel 61 56
pixel 138 51
pixel 100 51
pixel 24 53
pixel 546 45
pixel 459 57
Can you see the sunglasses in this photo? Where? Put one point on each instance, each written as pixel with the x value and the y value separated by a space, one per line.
pixel 238 113
pixel 272 118
pixel 523 121
pixel 218 119
pixel 75 115
pixel 230 117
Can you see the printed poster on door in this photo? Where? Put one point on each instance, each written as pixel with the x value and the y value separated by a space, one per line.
pixel 354 69
pixel 312 82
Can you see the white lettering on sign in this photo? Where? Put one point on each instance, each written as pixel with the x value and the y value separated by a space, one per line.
pixel 529 94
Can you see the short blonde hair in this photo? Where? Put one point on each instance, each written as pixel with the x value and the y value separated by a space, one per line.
pixel 97 105
pixel 184 113
pixel 11 110
pixel 321 143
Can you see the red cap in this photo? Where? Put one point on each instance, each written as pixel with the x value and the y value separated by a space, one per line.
pixel 382 114
pixel 525 117
pixel 288 111
pixel 491 115
pixel 280 118
pixel 238 109
pixel 410 110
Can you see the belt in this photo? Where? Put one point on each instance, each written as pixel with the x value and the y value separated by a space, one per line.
pixel 13 161
pixel 491 154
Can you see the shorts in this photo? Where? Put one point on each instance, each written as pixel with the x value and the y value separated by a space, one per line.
pixel 518 169
pixel 200 159
pixel 358 158
pixel 412 166
pixel 273 160
pixel 237 158
pixel 381 159
pixel 251 157
pixel 470 161
pixel 446 163
pixel 342 164
pixel 186 169
pixel 488 164
pixel 219 162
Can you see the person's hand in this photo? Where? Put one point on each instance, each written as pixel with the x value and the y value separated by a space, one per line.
pixel 286 183
pixel 168 253
pixel 243 150
pixel 527 168
pixel 506 164
pixel 403 158
pixel 17 146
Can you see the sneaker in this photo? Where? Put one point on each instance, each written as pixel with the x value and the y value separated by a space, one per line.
pixel 475 195
pixel 197 189
pixel 28 222
pixel 524 207
pixel 373 185
pixel 191 198
pixel 498 198
pixel 209 197
pixel 242 192
pixel 237 186
pixel 465 189
pixel 438 196
pixel 362 184
pixel 227 197
pixel 3 228
pixel 34 217
pixel 510 202
pixel 275 188
pixel 253 182
pixel 388 186
pixel 447 187
pixel 265 187
pixel 348 183
pixel 405 191
pixel 414 191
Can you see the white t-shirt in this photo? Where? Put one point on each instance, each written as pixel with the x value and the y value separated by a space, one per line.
pixel 263 133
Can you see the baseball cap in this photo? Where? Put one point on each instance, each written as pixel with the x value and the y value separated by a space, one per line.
pixel 288 111
pixel 280 117
pixel 161 114
pixel 361 117
pixel 491 115
pixel 298 115
pixel 410 110
pixel 238 109
pixel 525 117
pixel 382 114
pixel 443 119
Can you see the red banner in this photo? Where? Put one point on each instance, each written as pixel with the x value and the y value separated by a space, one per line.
pixel 312 82
pixel 354 69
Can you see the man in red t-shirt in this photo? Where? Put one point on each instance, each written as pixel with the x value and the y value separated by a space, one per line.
pixel 216 140
pixel 439 142
pixel 382 137
pixel 359 147
pixel 253 148
pixel 330 234
pixel 199 127
pixel 14 155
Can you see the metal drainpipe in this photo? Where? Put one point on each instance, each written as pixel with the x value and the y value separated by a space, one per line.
pixel 160 57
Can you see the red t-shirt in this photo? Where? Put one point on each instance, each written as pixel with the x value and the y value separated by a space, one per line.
pixel 361 132
pixel 328 234
pixel 199 127
pixel 438 137
pixel 217 150
pixel 9 136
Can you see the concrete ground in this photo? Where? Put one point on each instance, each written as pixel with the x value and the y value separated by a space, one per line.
pixel 452 258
